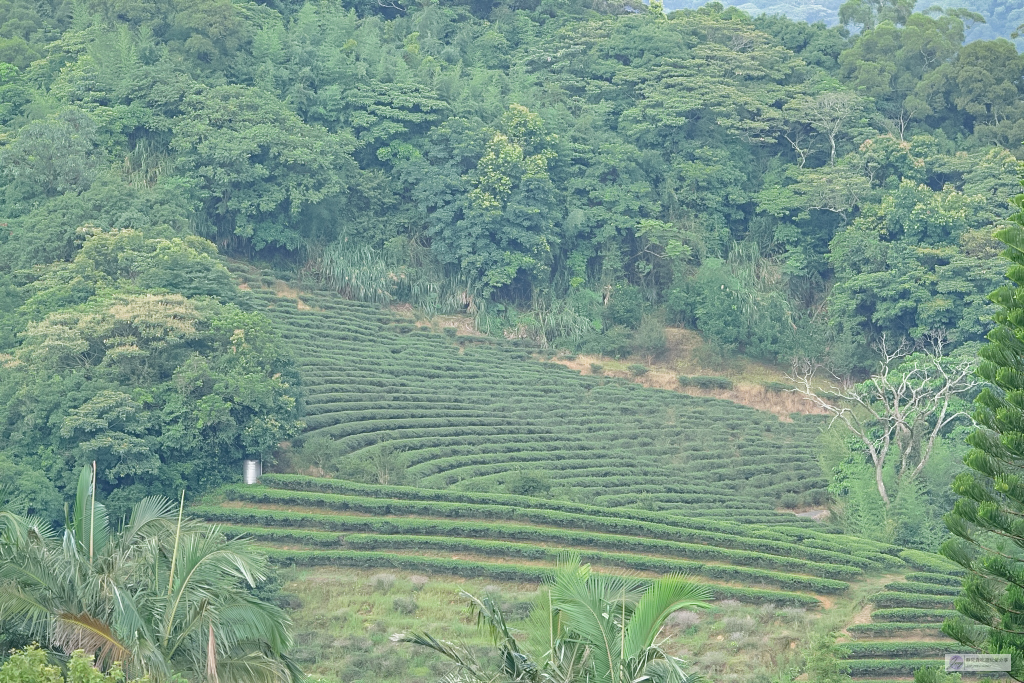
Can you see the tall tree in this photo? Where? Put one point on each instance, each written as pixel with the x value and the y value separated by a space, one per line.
pixel 903 408
pixel 986 519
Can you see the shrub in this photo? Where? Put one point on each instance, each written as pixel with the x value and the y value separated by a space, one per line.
pixel 383 582
pixel 882 649
pixel 616 342
pixel 886 667
pixel 705 382
pixel 523 483
pixel 404 605
pixel 930 562
pixel 649 339
pixel 777 387
pixel 683 620
pixel 596 369
pixel 637 370
pixel 32 665
pixel 922 588
pixel 502 571
pixel 889 629
pixel 451 331
pixel 626 306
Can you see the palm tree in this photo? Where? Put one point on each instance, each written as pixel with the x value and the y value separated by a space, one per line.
pixel 161 594
pixel 584 627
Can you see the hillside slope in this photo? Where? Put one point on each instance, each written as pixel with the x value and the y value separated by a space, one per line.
pixel 637 480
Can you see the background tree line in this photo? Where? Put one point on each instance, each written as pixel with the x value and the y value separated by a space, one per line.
pixel 774 184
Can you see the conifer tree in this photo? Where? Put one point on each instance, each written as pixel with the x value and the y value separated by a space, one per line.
pixel 988 519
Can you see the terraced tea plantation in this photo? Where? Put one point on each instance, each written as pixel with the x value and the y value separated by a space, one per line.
pixel 904 630
pixel 468 414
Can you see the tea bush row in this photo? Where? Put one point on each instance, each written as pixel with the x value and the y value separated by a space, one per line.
pixel 890 599
pixel 705 382
pixel 320 539
pixel 893 628
pixel 880 649
pixel 922 588
pixel 634 562
pixel 940 579
pixel 913 615
pixel 809 537
pixel 733 545
pixel 500 572
pixel 887 667
pixel 628 541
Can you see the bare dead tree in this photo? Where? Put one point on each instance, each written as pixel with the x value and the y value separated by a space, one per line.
pixel 906 404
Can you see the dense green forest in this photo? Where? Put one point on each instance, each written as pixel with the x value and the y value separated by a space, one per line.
pixel 986 19
pixel 575 173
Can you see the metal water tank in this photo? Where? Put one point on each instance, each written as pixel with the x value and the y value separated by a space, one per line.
pixel 252 471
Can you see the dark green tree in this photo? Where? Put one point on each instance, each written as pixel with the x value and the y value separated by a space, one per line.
pixel 986 519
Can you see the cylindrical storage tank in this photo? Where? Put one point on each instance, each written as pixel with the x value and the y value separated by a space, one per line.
pixel 252 471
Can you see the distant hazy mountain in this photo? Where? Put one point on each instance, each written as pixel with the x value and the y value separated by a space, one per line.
pixel 1002 17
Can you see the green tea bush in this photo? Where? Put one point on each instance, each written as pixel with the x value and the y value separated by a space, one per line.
pixel 501 572
pixel 886 667
pixel 930 562
pixel 913 615
pixel 637 370
pixel 878 650
pixel 890 629
pixel 922 588
pixel 890 599
pixel 754 552
pixel 940 579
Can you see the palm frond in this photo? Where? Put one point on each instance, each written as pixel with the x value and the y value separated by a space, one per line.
pixel 83 631
pixel 588 618
pixel 460 655
pixel 663 597
pixel 148 512
pixel 89 525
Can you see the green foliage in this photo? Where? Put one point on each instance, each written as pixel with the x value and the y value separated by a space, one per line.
pixel 911 614
pixel 526 483
pixel 583 625
pixel 982 520
pixel 705 382
pixel 649 340
pixel 130 356
pixel 405 155
pixel 935 674
pixel 626 307
pixel 30 665
pixel 824 663
pixel 156 593
pixel 637 369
